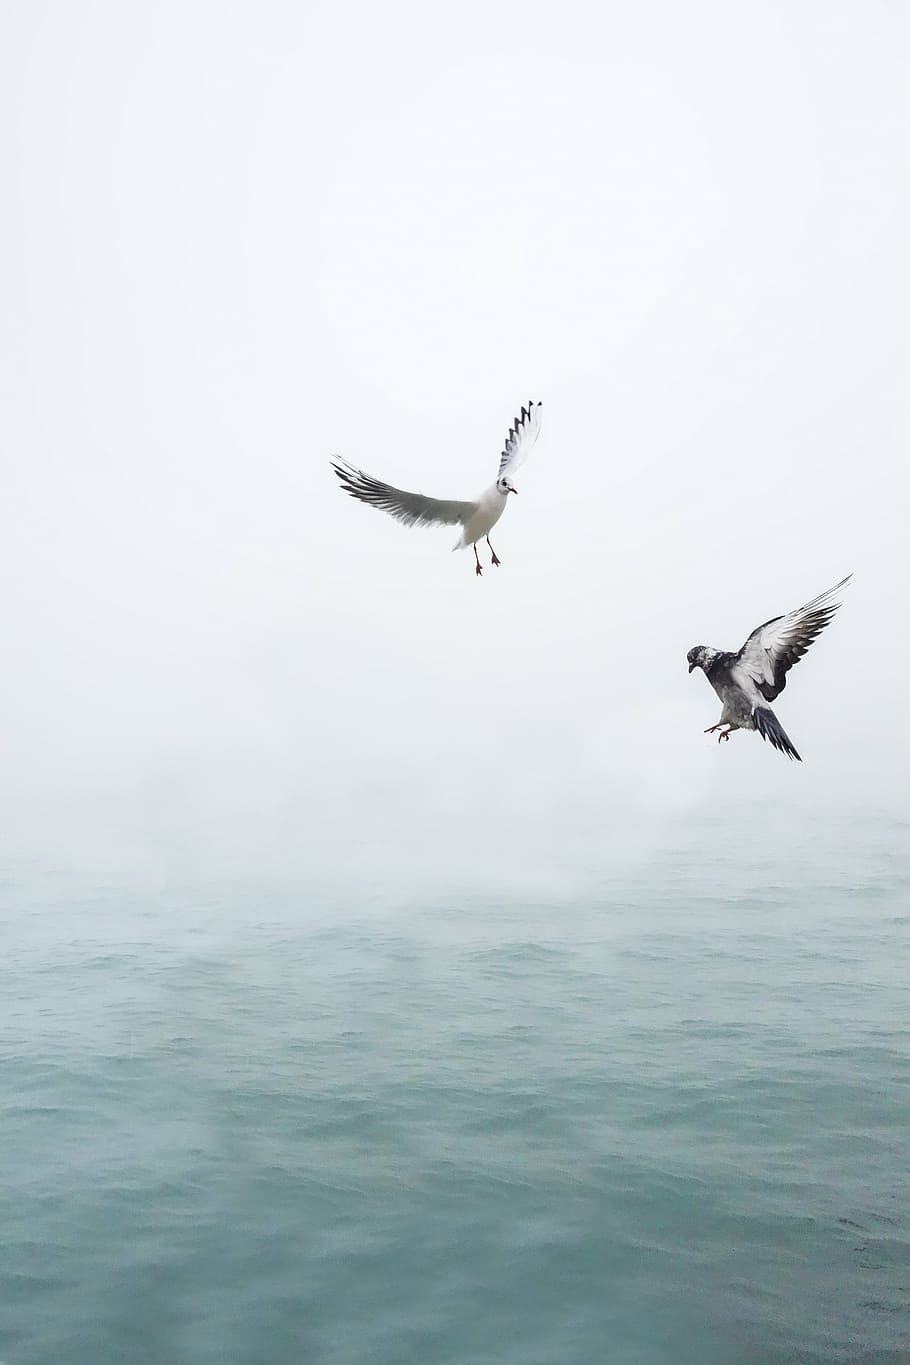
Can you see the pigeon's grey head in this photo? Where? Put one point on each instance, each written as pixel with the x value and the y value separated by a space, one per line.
pixel 505 487
pixel 698 656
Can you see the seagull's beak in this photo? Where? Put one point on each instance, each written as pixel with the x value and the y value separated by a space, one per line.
pixel 512 490
pixel 691 666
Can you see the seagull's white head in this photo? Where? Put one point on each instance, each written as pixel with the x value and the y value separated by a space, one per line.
pixel 505 487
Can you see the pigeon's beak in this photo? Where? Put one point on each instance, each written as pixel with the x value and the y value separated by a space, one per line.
pixel 691 666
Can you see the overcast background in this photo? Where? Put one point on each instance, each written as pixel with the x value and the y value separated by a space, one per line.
pixel 239 238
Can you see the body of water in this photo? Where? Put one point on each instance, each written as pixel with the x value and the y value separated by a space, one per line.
pixel 658 1118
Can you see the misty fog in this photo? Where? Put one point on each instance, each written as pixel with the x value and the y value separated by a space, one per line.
pixel 240 240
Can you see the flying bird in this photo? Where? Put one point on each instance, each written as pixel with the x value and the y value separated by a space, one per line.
pixel 476 518
pixel 747 681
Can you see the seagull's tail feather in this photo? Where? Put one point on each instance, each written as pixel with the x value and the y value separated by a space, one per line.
pixel 770 728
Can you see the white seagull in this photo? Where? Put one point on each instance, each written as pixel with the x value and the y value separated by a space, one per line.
pixel 757 674
pixel 476 518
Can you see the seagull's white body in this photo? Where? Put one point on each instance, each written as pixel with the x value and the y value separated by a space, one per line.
pixel 476 518
pixel 485 512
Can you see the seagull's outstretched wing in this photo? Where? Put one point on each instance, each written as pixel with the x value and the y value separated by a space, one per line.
pixel 772 649
pixel 524 432
pixel 411 508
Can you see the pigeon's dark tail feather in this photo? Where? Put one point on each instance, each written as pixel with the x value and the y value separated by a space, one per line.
pixel 770 728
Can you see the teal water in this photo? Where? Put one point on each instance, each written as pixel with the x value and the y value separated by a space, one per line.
pixel 660 1117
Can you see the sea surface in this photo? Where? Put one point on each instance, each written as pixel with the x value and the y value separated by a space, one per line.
pixel 654 1112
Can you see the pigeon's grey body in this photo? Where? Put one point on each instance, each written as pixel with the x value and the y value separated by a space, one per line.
pixel 476 518
pixel 737 710
pixel 748 680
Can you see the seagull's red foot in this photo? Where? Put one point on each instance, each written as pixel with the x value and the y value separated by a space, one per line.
pixel 724 734
pixel 711 728
pixel 478 570
pixel 495 561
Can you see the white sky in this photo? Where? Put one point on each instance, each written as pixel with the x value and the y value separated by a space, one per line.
pixel 240 237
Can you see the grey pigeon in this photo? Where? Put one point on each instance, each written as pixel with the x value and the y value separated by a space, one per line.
pixel 746 681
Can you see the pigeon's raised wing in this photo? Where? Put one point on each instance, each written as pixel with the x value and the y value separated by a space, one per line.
pixel 411 508
pixel 524 432
pixel 772 649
